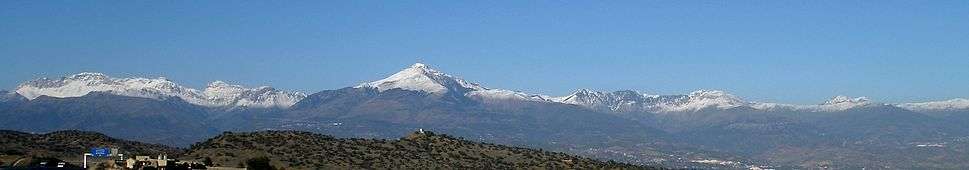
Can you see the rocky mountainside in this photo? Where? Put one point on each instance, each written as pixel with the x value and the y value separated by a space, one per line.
pixel 419 150
pixel 170 121
pixel 8 99
pixel 9 96
pixel 367 112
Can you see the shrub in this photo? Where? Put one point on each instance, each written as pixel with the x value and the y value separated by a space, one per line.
pixel 259 163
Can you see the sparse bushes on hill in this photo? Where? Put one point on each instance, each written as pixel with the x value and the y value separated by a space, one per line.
pixel 302 150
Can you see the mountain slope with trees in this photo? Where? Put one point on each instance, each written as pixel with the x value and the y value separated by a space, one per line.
pixel 427 150
pixel 72 143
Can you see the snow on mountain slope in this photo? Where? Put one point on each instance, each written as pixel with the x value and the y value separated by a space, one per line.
pixel 945 105
pixel 835 104
pixel 703 99
pixel 631 101
pixel 420 77
pixel 779 106
pixel 840 103
pixel 623 101
pixel 500 94
pixel 218 94
pixel 83 83
pixel 588 98
pixel 224 94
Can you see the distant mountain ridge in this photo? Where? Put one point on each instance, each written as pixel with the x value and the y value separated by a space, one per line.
pixel 945 105
pixel 217 94
pixel 420 77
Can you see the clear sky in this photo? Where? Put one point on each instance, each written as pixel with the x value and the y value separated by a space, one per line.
pixel 777 51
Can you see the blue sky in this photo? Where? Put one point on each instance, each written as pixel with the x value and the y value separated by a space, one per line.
pixel 778 51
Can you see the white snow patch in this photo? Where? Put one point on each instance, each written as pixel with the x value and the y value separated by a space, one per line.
pixel 500 94
pixel 945 105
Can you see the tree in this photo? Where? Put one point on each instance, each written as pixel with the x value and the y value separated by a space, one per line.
pixel 207 161
pixel 259 163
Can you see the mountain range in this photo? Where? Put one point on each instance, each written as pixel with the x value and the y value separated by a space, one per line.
pixel 629 126
pixel 216 94
pixel 420 77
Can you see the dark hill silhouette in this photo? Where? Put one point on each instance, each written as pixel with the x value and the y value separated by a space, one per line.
pixel 305 150
pixel 72 143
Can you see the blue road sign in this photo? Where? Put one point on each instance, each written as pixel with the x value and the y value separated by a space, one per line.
pixel 100 152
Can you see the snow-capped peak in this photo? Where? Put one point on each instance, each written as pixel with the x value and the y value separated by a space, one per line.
pixel 217 94
pixel 420 77
pixel 841 103
pixel 836 100
pixel 419 65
